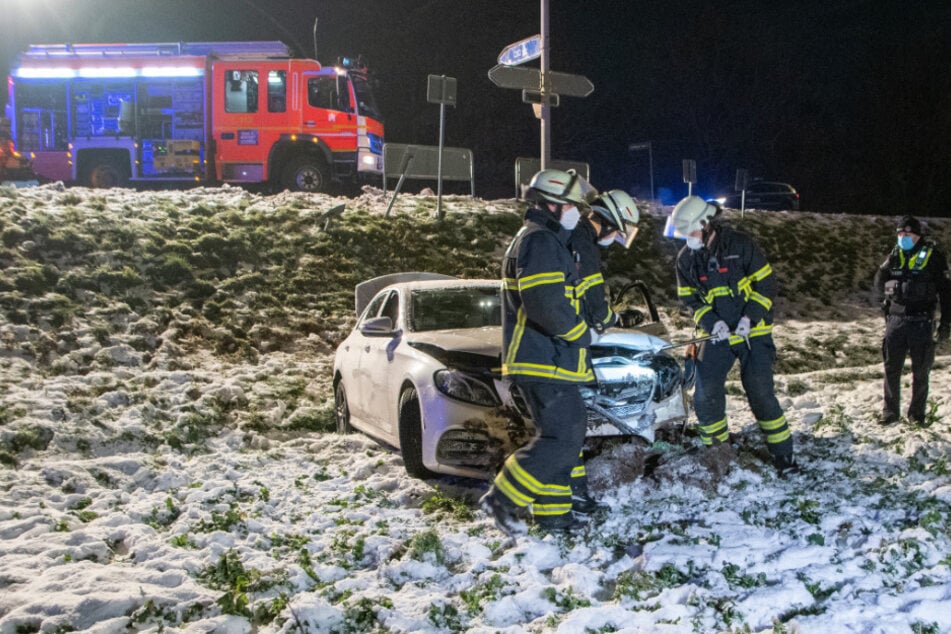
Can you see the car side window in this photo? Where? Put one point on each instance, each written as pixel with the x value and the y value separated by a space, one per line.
pixel 392 308
pixel 373 308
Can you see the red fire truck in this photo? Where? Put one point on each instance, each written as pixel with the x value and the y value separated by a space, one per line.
pixel 103 115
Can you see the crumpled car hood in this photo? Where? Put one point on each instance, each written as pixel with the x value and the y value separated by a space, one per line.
pixel 472 347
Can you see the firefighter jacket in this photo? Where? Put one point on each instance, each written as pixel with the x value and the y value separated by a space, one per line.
pixel 729 280
pixel 587 255
pixel 913 283
pixel 544 337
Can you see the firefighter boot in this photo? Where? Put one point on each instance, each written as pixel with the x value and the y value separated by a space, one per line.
pixel 505 514
pixel 586 505
pixel 786 466
pixel 566 523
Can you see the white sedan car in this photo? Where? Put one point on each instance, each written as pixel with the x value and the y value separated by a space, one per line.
pixel 421 371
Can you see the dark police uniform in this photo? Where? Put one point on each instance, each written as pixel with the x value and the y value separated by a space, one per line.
pixel 913 284
pixel 545 353
pixel 727 281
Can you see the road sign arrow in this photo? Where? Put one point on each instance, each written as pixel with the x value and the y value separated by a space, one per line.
pixel 569 85
pixel 522 51
pixel 515 77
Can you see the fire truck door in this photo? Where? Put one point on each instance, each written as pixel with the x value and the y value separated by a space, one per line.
pixel 328 111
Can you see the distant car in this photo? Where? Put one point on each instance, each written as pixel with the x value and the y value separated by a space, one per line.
pixel 421 371
pixel 765 195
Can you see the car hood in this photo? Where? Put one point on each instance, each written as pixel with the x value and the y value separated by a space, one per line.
pixel 467 347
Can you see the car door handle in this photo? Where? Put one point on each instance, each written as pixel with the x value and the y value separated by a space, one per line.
pixel 366 348
pixel 309 123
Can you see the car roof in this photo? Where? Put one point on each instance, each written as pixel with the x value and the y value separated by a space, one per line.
pixel 367 290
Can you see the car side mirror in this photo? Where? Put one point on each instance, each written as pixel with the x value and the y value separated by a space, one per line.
pixel 378 327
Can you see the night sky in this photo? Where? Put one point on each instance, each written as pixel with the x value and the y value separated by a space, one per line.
pixel 848 100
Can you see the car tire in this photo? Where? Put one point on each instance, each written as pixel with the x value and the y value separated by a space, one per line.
pixel 342 410
pixel 411 436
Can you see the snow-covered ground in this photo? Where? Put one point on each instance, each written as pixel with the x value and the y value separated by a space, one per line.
pixel 126 504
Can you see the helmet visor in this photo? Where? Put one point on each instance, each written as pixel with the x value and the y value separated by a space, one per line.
pixel 626 237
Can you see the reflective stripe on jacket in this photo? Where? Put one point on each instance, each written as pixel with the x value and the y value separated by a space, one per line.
pixel 544 338
pixel 729 280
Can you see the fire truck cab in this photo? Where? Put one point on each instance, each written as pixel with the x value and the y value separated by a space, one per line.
pixel 103 115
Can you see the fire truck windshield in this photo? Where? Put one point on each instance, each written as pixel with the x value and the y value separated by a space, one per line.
pixel 366 104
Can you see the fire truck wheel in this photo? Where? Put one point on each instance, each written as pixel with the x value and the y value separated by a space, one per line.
pixel 306 174
pixel 105 175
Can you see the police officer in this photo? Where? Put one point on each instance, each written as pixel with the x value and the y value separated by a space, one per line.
pixel 726 281
pixel 544 353
pixel 913 280
pixel 613 219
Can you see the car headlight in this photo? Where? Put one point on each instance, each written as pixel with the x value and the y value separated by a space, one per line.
pixel 465 387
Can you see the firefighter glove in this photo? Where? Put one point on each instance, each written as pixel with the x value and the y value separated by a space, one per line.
pixel 944 331
pixel 720 331
pixel 743 327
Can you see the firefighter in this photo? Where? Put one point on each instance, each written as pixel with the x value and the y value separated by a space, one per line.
pixel 913 281
pixel 612 219
pixel 726 281
pixel 544 353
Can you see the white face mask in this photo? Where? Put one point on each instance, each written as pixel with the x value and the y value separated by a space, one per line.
pixel 606 242
pixel 693 242
pixel 570 217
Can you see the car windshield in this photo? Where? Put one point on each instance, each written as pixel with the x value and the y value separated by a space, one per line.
pixel 452 308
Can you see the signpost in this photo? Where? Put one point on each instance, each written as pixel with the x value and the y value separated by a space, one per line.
pixel 690 174
pixel 646 145
pixel 540 87
pixel 442 90
pixel 522 51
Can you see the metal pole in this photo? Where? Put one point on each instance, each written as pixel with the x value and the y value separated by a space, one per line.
pixel 650 161
pixel 442 132
pixel 545 105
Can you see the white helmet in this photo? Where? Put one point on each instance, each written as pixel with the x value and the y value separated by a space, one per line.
pixel 620 212
pixel 562 187
pixel 691 214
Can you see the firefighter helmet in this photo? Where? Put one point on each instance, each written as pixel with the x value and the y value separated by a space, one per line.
pixel 562 187
pixel 691 214
pixel 620 212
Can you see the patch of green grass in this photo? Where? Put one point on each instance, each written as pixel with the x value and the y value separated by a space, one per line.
pixel 427 546
pixel 438 503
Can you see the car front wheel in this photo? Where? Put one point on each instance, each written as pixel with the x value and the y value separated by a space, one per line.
pixel 342 410
pixel 411 436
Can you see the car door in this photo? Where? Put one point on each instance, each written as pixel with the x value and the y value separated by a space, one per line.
pixel 353 369
pixel 379 369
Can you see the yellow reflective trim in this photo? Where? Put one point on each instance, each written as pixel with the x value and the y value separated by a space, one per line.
pixel 510 284
pixel 575 333
pixel 509 491
pixel 713 428
pixel 551 509
pixel 578 472
pixel 539 279
pixel 770 425
pixel 778 437
pixel 700 312
pixel 762 300
pixel 717 291
pixel 527 481
pixel 685 291
pixel 547 371
pixel 517 333
pixel 757 331
pixel 762 274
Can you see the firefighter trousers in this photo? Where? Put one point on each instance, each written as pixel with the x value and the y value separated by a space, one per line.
pixel 756 374
pixel 539 474
pixel 906 336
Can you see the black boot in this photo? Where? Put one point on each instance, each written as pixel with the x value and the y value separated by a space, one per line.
pixel 587 505
pixel 505 514
pixel 786 466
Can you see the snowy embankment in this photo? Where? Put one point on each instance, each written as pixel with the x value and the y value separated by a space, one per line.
pixel 165 428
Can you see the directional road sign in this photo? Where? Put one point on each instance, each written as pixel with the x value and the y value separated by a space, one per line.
pixel 523 51
pixel 530 79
